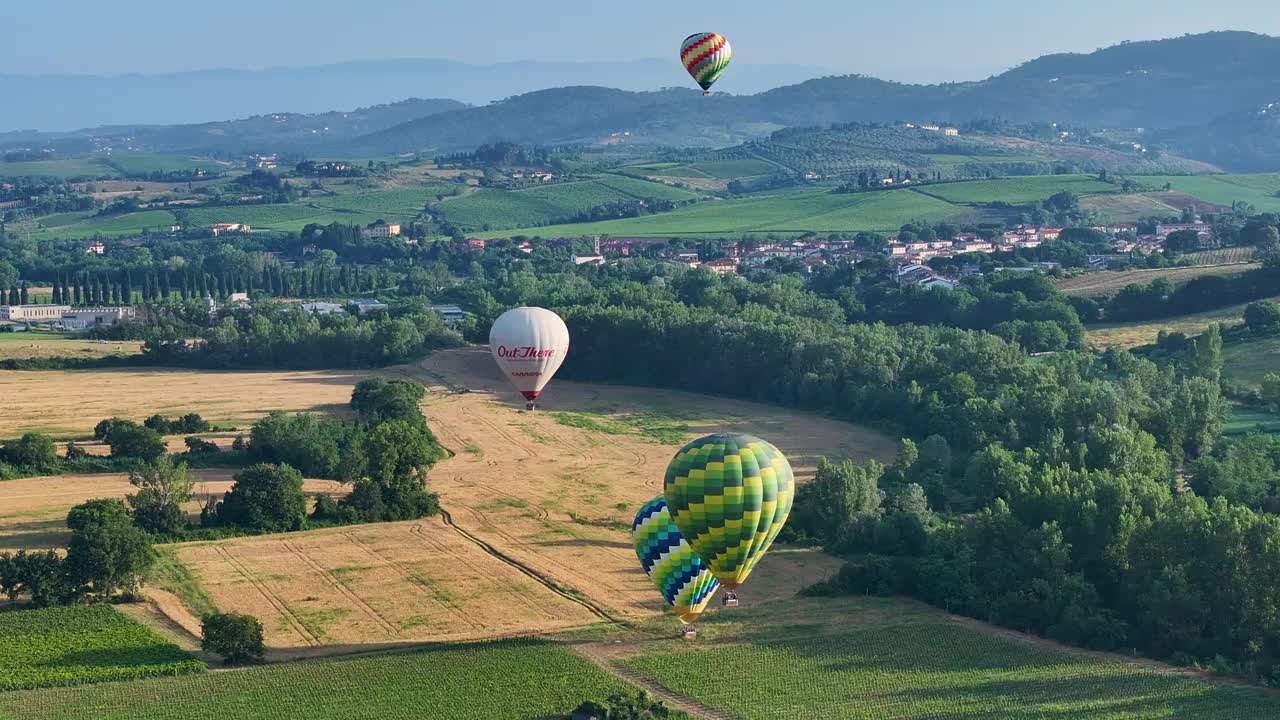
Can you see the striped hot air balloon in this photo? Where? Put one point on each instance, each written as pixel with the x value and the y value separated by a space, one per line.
pixel 705 56
pixel 674 567
pixel 729 495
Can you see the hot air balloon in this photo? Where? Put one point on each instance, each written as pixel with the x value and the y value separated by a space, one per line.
pixel 705 56
pixel 529 344
pixel 729 495
pixel 681 577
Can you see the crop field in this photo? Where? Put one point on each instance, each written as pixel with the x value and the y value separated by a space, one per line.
pixel 67 218
pixel 1126 208
pixel 71 402
pixel 62 169
pixel 108 225
pixel 389 204
pixel 27 345
pixel 537 536
pixel 1260 191
pixel 871 659
pixel 1222 256
pixel 76 645
pixel 1017 190
pixel 273 217
pixel 541 205
pixel 513 680
pixel 1248 361
pixel 1109 282
pixel 143 164
pixel 797 211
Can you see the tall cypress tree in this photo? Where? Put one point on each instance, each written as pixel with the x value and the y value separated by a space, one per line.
pixel 13 295
pixel 166 286
pixel 23 297
pixel 76 288
pixel 126 291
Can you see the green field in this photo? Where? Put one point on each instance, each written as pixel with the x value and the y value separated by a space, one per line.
pixel 796 211
pixel 1250 360
pixel 75 645
pixel 143 164
pixel 62 169
pixel 1017 190
pixel 730 169
pixel 541 205
pixel 128 224
pixel 1243 421
pixel 1259 191
pixel 269 217
pixel 390 204
pixel 883 663
pixel 67 218
pixel 513 680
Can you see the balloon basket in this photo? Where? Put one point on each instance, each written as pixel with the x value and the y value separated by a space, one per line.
pixel 706 93
pixel 730 600
pixel 689 633
pixel 530 406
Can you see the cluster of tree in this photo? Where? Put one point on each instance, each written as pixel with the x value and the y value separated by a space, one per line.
pixel 43 197
pixel 37 454
pixel 1160 298
pixel 622 209
pixel 1024 308
pixel 272 188
pixel 499 154
pixel 186 425
pixel 287 337
pixel 107 554
pixel 237 638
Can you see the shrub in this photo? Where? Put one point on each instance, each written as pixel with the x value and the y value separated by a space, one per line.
pixel 130 440
pixel 107 551
pixel 638 705
pixel 237 638
pixel 32 450
pixel 102 431
pixel 1262 316
pixel 40 575
pixel 197 446
pixel 265 498
pixel 75 452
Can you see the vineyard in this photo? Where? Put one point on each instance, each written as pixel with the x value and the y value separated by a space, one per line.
pixel 273 217
pixel 512 680
pixel 1108 282
pixel 1222 256
pixel 74 645
pixel 882 664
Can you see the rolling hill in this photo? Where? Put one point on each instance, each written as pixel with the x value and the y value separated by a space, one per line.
pixel 1186 81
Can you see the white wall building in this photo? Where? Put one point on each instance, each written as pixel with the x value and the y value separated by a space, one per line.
pixel 33 313
pixel 80 319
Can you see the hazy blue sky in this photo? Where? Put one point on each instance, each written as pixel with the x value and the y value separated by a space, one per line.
pixel 920 40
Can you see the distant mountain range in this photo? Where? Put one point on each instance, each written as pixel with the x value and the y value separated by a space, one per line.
pixel 70 102
pixel 1198 95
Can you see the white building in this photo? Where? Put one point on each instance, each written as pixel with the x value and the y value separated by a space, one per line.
pixel 322 308
pixel 588 259
pixel 33 313
pixel 380 231
pixel 80 319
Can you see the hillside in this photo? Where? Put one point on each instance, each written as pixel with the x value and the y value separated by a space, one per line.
pixel 1246 141
pixel 1183 81
pixel 275 132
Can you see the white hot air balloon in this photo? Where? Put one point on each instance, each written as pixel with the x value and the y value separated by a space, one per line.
pixel 529 344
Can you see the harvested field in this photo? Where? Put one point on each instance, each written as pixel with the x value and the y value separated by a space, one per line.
pixel 25 346
pixel 539 510
pixel 71 402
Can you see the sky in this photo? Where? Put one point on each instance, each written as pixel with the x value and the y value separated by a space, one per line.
pixel 915 41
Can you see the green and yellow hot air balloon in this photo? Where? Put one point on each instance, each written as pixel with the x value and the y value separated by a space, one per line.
pixel 705 56
pixel 685 583
pixel 729 495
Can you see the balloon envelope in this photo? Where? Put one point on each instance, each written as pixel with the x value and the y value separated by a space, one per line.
pixel 529 344
pixel 705 56
pixel 729 495
pixel 677 571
